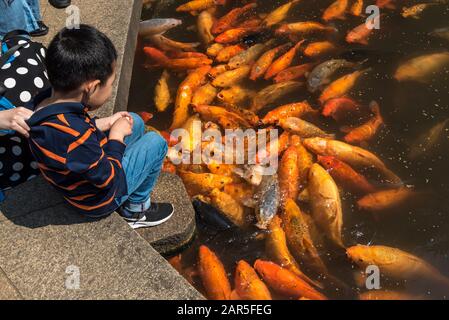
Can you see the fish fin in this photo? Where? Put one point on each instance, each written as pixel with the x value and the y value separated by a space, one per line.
pixel 364 144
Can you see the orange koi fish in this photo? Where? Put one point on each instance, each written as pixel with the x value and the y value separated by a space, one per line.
pixel 345 176
pixel 213 275
pixel 285 282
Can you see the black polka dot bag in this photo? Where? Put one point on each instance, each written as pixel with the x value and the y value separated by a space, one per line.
pixel 22 76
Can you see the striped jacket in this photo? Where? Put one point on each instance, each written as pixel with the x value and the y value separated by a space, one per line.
pixel 77 158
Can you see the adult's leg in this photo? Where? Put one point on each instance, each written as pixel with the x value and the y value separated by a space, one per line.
pixel 35 8
pixel 16 14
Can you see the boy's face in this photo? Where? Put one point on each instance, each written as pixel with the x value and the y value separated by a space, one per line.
pixel 101 93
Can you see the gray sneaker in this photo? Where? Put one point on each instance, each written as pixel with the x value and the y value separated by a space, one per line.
pixel 157 214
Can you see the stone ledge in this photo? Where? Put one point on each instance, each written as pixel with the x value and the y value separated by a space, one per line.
pixel 180 229
pixel 7 290
pixel 114 261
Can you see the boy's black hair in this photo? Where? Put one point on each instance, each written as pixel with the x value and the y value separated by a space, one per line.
pixel 76 56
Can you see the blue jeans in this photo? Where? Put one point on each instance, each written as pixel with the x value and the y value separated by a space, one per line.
pixel 142 163
pixel 19 15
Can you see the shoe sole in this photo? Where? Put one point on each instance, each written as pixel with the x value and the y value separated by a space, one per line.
pixel 146 224
pixel 60 7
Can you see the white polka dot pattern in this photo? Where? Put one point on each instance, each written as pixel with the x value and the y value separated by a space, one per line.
pixel 38 82
pixel 18 166
pixel 25 96
pixel 16 150
pixel 22 70
pixel 10 83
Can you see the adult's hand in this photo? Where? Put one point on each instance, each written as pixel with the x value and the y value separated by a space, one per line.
pixel 14 119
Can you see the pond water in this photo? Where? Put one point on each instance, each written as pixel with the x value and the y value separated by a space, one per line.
pixel 409 110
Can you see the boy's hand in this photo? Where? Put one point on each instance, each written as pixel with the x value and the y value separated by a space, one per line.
pixel 122 128
pixel 105 124
pixel 14 119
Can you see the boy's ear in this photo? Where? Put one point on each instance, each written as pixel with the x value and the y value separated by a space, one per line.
pixel 92 86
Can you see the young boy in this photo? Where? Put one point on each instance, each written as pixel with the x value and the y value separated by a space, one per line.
pixel 98 165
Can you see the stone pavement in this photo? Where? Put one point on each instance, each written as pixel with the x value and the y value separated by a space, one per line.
pixel 42 240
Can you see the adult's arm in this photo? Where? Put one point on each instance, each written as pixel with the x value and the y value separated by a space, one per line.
pixel 14 119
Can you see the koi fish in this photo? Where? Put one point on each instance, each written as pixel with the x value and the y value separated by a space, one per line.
pixel 299 238
pixel 303 128
pixel 231 19
pixel 231 77
pixel 276 246
pixel 228 52
pixel 357 8
pixel 235 95
pixel 248 56
pixel 213 275
pixel 282 62
pixel 386 199
pixel 317 49
pixel 326 203
pixel 368 130
pixel 241 192
pixel 203 183
pixel 266 60
pixel 321 74
pixel 422 68
pixel 304 28
pixel 199 5
pixel 305 160
pixel 341 86
pixel 268 196
pixel 352 155
pixel 177 64
pixel 442 33
pixel 289 174
pixel 204 95
pixel 236 34
pixel 285 282
pixel 222 116
pixel 416 10
pixel 273 93
pixel 297 109
pixel 359 34
pixel 427 142
pixel 395 263
pixel 204 25
pixel 340 109
pixel 162 96
pixel 185 95
pixel 345 176
pixel 167 44
pixel 279 14
pixel 214 49
pixel 294 73
pixel 157 26
pixel 386 4
pixel 336 10
pixel 232 209
pixel 248 285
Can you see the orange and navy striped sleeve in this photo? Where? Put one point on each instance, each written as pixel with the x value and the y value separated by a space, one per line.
pixel 78 159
